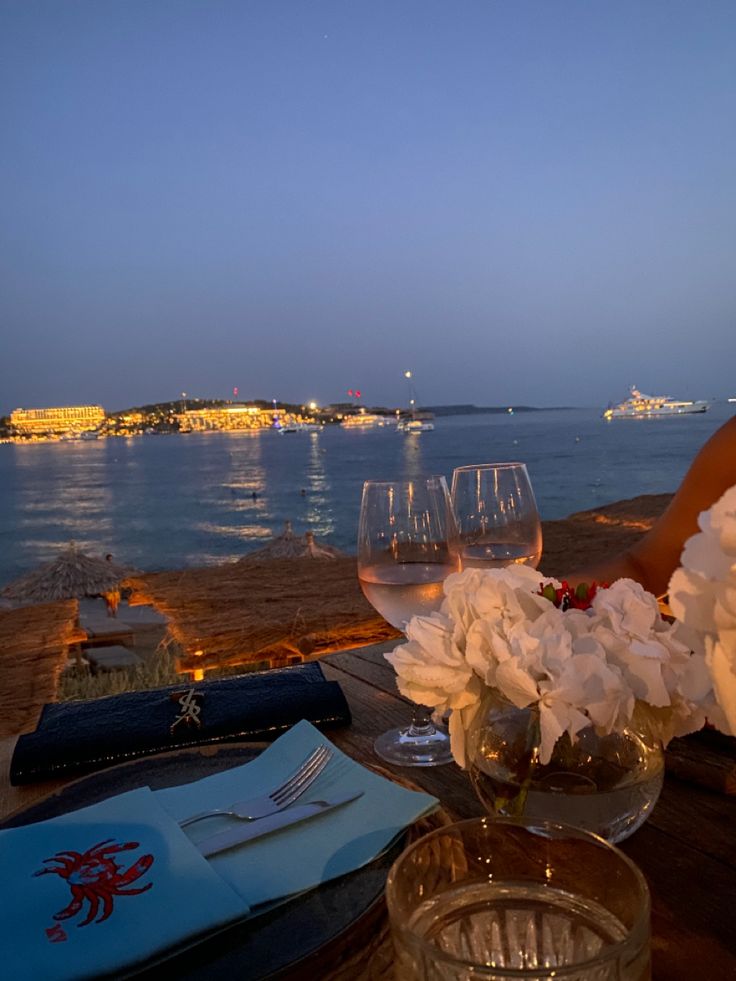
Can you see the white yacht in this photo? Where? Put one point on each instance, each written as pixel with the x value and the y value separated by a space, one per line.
pixel 299 427
pixel 414 426
pixel 363 420
pixel 640 406
pixel 417 423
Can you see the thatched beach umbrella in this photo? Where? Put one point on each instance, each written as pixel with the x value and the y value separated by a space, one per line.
pixel 34 642
pixel 319 550
pixel 72 575
pixel 287 545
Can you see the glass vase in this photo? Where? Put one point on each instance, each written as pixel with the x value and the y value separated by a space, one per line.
pixel 607 784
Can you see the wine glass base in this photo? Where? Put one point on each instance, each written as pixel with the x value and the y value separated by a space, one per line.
pixel 402 748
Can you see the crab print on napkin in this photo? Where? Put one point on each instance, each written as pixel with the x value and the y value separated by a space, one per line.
pixel 95 877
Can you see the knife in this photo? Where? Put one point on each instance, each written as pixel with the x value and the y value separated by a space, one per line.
pixel 273 822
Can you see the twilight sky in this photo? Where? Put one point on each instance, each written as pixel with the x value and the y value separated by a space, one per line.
pixel 523 202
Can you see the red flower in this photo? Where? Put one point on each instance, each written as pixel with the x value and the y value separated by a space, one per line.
pixel 565 597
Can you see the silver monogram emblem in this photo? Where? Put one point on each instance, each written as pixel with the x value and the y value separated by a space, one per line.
pixel 190 709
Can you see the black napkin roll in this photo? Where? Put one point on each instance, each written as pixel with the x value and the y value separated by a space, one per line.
pixel 78 737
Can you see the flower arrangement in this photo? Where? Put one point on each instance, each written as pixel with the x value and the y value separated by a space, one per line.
pixel 596 656
pixel 702 596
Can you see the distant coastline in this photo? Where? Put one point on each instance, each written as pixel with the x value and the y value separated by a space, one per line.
pixel 52 424
pixel 471 410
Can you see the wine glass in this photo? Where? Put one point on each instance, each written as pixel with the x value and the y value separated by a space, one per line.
pixel 497 516
pixel 407 547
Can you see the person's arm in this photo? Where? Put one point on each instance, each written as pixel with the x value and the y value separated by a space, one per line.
pixel 656 556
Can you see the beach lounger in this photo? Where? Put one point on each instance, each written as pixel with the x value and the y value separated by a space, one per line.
pixel 113 658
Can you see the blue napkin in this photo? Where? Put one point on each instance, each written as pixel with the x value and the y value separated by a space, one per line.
pixel 314 851
pixel 145 890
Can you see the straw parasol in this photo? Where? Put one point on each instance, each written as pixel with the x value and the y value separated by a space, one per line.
pixel 287 545
pixel 319 550
pixel 34 641
pixel 71 575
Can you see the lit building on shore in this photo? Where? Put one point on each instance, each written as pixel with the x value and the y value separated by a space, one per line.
pixel 125 424
pixel 57 420
pixel 231 417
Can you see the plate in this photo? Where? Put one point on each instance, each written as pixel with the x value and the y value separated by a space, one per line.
pixel 297 939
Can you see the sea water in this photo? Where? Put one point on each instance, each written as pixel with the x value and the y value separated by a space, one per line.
pixel 184 500
pixel 520 926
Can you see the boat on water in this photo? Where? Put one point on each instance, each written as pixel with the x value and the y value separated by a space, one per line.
pixel 78 436
pixel 363 420
pixel 299 427
pixel 414 426
pixel 641 406
pixel 417 422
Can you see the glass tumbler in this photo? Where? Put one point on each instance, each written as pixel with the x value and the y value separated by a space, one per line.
pixel 492 900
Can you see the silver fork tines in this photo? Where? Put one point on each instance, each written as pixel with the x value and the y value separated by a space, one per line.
pixel 278 798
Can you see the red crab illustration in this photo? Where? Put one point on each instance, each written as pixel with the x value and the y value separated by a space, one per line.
pixel 95 877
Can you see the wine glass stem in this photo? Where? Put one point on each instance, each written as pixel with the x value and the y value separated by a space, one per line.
pixel 421 722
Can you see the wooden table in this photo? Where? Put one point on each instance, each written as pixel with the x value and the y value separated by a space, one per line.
pixel 687 849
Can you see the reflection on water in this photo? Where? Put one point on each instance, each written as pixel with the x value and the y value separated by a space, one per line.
pixel 413 444
pixel 246 532
pixel 246 481
pixel 61 496
pixel 171 501
pixel 74 525
pixel 48 547
pixel 198 558
pixel 319 516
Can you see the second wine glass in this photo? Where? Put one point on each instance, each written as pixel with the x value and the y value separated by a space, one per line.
pixel 407 547
pixel 497 516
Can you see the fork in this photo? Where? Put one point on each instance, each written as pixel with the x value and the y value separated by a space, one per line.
pixel 277 799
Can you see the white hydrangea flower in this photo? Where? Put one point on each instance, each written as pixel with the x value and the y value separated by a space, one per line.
pixel 431 668
pixel 721 663
pixel 702 595
pixel 631 611
pixel 577 667
pixel 585 691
